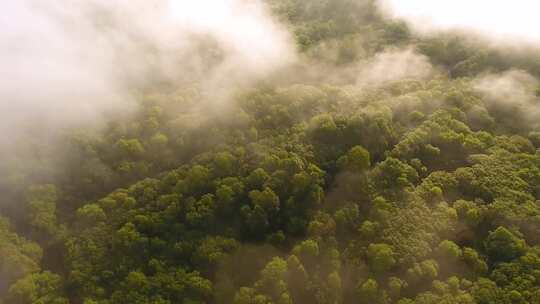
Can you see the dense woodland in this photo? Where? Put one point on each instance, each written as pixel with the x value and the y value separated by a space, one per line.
pixel 303 190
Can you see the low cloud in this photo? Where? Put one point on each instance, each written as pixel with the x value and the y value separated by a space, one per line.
pixel 68 63
pixel 393 65
pixel 513 95
pixel 497 20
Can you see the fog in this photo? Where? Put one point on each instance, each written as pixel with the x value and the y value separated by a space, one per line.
pixel 499 20
pixel 512 93
pixel 394 65
pixel 77 65
pixel 69 63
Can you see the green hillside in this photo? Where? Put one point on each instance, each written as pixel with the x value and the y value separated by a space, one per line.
pixel 317 185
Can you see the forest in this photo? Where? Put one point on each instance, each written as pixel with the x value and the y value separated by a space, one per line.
pixel 382 166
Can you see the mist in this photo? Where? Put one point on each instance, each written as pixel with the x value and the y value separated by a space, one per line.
pixel 496 20
pixel 513 95
pixel 70 64
pixel 394 65
pixel 345 151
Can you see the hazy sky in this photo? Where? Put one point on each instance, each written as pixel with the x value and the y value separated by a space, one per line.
pixel 500 19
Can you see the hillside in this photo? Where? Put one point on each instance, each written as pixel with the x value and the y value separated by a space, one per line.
pixel 383 166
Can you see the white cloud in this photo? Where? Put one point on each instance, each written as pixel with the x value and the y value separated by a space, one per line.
pixel 66 62
pixel 394 64
pixel 498 19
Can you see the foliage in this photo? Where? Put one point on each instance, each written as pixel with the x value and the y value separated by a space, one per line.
pixel 301 191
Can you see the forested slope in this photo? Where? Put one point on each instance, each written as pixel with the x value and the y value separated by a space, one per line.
pixel 315 186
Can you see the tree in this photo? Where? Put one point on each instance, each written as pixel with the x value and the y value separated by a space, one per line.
pixel 449 250
pixel 502 245
pixel 202 212
pixel 18 256
pixel 224 163
pixel 249 296
pixel 213 249
pixel 308 251
pixel 381 258
pixel 370 292
pixel 131 147
pixel 392 175
pixel 265 199
pixel 257 178
pixel 425 271
pixel 42 287
pixel 396 286
pixel 486 291
pixel 42 209
pixel 272 280
pixel 475 262
pixel 357 159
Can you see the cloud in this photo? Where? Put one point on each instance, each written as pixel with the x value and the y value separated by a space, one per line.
pixel 512 95
pixel 67 63
pixel 498 20
pixel 512 87
pixel 393 65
